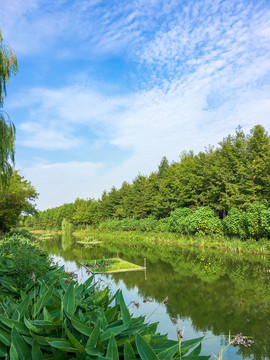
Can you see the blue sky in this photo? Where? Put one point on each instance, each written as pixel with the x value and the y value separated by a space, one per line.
pixel 105 89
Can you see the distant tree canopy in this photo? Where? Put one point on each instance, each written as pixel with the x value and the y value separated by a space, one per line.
pixel 234 175
pixel 8 65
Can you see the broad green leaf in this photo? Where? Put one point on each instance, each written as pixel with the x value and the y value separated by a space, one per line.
pixel 197 350
pixel 168 353
pixel 87 285
pixel 36 352
pixel 81 327
pixel 46 315
pixel 145 351
pixel 16 315
pixel 72 339
pixel 20 345
pixel 13 353
pixel 110 313
pixel 31 326
pixel 42 301
pixel 45 324
pixel 164 345
pixel 5 337
pixel 69 300
pixel 20 327
pixel 114 331
pixel 63 345
pixel 92 351
pixel 128 352
pixel 126 317
pixel 23 307
pixel 93 338
pixel 3 350
pixel 112 351
pixel 188 344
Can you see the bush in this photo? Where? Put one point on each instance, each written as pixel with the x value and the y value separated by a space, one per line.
pixel 203 222
pixel 25 259
pixel 178 220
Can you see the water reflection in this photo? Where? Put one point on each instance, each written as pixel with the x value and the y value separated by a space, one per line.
pixel 210 292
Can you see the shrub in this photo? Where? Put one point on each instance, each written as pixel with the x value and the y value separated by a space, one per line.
pixel 25 259
pixel 203 222
pixel 177 220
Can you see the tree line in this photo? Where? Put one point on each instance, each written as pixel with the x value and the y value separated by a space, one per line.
pixel 233 176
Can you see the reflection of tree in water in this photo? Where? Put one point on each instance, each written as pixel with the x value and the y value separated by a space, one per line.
pixel 217 291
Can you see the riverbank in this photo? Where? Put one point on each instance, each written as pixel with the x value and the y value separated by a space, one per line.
pixel 212 242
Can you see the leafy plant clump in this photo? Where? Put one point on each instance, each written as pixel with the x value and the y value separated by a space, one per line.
pixel 20 259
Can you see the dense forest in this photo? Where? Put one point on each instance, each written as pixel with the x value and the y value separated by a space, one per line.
pixel 221 189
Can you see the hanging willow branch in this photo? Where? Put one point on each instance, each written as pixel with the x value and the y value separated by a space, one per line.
pixel 8 65
pixel 7 148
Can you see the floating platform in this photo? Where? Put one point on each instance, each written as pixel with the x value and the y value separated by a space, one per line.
pixel 112 265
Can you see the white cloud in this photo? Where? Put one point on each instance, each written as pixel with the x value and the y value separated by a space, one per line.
pixel 207 70
pixel 59 183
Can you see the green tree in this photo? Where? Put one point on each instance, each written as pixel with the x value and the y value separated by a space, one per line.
pixel 8 65
pixel 16 197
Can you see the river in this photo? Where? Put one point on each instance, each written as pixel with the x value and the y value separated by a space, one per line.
pixel 211 293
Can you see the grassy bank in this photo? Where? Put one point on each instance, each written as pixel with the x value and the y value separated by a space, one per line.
pixel 215 241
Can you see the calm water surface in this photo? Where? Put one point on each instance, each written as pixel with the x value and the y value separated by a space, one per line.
pixel 210 293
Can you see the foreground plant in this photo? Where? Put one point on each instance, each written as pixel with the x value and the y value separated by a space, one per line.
pixel 54 320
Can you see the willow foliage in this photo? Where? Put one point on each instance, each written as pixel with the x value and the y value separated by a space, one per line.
pixel 8 65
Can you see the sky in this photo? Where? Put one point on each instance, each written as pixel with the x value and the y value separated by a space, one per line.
pixel 105 89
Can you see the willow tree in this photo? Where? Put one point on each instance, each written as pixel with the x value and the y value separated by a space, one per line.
pixel 8 66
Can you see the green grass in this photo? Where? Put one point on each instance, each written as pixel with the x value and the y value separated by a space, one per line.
pixel 109 265
pixel 149 238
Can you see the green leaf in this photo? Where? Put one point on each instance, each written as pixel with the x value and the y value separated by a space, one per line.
pixel 92 351
pixel 128 352
pixel 110 313
pixel 144 349
pixel 23 307
pixel 126 317
pixel 63 345
pixel 114 331
pixel 72 339
pixel 197 350
pixel 13 353
pixel 31 326
pixel 45 324
pixel 93 338
pixel 69 300
pixel 46 315
pixel 3 350
pixel 5 337
pixel 20 327
pixel 112 351
pixel 42 301
pixel 168 353
pixel 16 315
pixel 36 352
pixel 188 344
pixel 81 327
pixel 20 345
